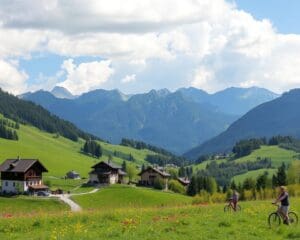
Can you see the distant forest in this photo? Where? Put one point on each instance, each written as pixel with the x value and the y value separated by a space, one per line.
pixel 7 129
pixel 162 157
pixel 29 113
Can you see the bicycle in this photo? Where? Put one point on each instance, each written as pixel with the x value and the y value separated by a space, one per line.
pixel 230 207
pixel 275 218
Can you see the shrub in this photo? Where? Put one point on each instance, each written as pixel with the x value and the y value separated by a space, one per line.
pixel 159 184
pixel 176 187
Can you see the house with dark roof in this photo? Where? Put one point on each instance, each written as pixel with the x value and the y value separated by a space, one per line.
pixel 152 174
pixel 22 175
pixel 106 173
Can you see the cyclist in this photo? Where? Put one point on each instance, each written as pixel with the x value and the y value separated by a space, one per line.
pixel 234 199
pixel 283 198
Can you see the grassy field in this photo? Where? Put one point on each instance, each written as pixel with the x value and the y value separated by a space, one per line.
pixel 60 155
pixel 184 222
pixel 120 196
pixel 30 205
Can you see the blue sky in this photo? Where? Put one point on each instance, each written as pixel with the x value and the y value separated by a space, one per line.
pixel 208 44
pixel 284 14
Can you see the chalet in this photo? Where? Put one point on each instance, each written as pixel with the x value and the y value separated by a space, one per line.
pixel 106 173
pixel 22 175
pixel 72 175
pixel 184 181
pixel 150 174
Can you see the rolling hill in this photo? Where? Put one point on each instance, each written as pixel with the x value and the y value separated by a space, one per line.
pixel 277 117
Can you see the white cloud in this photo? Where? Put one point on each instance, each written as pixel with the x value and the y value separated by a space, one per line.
pixel 224 45
pixel 85 76
pixel 202 79
pixel 128 78
pixel 11 79
pixel 108 15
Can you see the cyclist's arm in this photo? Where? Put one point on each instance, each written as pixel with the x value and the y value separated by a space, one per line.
pixel 281 197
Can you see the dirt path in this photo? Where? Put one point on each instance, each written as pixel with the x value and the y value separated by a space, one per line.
pixel 73 205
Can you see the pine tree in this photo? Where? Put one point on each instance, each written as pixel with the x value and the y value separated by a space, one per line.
pixel 233 185
pixel 124 166
pixel 192 188
pixel 98 151
pixel 225 188
pixel 281 176
pixel 274 181
pixel 85 147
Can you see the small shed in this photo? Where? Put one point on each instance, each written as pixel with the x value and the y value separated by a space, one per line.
pixel 73 175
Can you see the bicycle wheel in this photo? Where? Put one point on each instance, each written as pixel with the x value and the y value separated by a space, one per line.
pixel 274 220
pixel 227 208
pixel 293 218
pixel 238 208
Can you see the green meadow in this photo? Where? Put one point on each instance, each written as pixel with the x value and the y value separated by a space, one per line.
pixel 175 219
pixel 122 196
pixel 23 205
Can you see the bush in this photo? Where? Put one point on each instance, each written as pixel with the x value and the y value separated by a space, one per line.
pixel 202 198
pixel 176 187
pixel 159 184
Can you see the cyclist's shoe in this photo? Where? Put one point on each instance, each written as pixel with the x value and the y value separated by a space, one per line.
pixel 286 222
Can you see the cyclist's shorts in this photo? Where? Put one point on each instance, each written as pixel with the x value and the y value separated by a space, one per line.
pixel 284 209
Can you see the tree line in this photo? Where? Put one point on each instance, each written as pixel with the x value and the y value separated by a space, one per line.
pixel 142 145
pixel 162 160
pixel 91 147
pixel 162 157
pixel 250 188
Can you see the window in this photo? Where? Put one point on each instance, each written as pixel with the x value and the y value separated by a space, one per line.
pixel 14 184
pixel 6 184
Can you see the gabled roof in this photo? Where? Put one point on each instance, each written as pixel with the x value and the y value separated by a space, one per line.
pixel 184 181
pixel 108 163
pixel 162 173
pixel 20 165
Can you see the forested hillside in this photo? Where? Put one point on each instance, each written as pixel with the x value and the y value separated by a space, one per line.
pixel 29 113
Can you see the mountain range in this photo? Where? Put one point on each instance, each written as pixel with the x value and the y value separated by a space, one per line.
pixel 177 121
pixel 280 116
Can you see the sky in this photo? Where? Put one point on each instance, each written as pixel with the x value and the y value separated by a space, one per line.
pixel 137 46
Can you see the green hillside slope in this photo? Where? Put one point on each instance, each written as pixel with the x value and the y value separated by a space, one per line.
pixel 277 154
pixel 59 154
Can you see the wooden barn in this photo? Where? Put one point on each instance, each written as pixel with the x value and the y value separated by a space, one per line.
pixel 22 175
pixel 151 174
